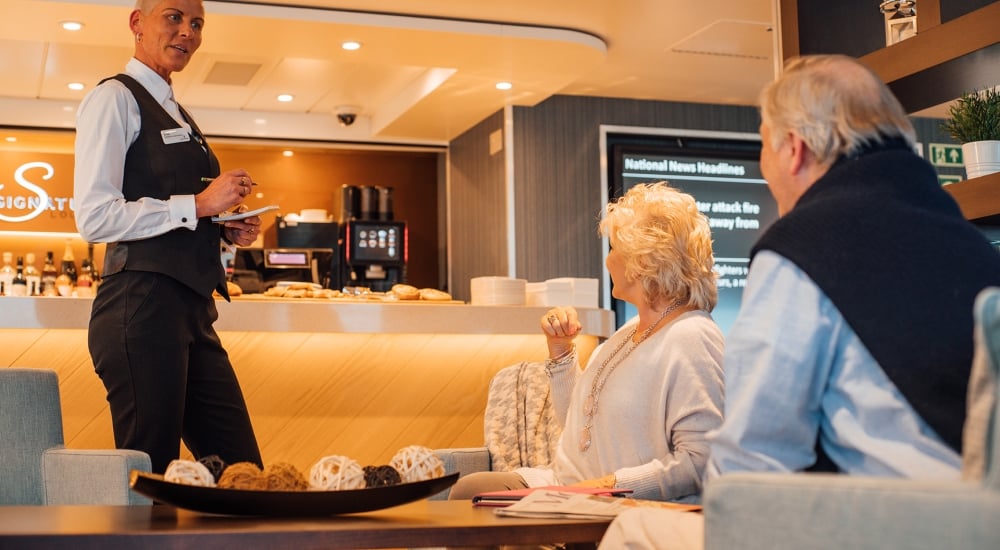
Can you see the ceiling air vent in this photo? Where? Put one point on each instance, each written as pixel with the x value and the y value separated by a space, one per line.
pixel 730 38
pixel 232 74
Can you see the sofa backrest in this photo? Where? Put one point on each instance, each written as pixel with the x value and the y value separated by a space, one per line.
pixel 30 423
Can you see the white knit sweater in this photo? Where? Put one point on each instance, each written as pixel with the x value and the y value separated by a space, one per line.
pixel 653 412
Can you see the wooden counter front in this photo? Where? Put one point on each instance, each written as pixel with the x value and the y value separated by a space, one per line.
pixel 320 378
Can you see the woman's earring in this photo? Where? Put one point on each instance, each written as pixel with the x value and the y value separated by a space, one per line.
pixel 138 37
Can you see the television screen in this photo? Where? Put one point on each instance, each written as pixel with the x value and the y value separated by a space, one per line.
pixel 377 242
pixel 721 170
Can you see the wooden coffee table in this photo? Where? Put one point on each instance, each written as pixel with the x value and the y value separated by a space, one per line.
pixel 419 524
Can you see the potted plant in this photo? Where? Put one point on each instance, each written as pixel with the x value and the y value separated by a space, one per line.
pixel 975 123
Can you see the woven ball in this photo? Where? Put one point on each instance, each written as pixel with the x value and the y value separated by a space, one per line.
pixel 243 475
pixel 381 476
pixel 336 473
pixel 417 463
pixel 282 476
pixel 215 464
pixel 189 473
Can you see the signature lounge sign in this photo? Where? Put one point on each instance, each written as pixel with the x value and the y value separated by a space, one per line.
pixel 36 192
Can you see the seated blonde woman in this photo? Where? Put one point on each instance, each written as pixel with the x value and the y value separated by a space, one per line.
pixel 636 417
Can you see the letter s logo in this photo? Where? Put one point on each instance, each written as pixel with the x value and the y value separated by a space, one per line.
pixel 43 197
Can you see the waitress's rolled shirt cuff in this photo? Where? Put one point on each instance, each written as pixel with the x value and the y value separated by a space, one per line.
pixel 183 212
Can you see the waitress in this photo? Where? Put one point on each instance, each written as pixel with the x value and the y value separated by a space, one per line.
pixel 140 160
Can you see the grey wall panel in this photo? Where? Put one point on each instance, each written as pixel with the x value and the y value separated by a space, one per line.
pixel 557 173
pixel 477 222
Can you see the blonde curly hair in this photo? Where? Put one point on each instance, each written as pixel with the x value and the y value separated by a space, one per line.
pixel 666 244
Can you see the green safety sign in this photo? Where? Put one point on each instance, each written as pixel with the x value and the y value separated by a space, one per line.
pixel 946 154
pixel 946 179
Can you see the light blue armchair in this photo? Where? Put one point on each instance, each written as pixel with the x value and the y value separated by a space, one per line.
pixel 775 511
pixel 35 468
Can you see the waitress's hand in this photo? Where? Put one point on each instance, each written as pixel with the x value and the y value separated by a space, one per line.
pixel 242 232
pixel 224 192
pixel 560 326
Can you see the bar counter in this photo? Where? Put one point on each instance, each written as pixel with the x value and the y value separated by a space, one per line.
pixel 355 378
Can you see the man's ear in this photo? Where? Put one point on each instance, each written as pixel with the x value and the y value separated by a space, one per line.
pixel 798 153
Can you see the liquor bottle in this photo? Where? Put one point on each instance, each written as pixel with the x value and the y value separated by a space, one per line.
pixel 95 275
pixel 19 286
pixel 49 274
pixel 84 281
pixel 68 267
pixel 32 274
pixel 6 274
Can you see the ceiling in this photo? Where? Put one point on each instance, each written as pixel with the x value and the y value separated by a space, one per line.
pixel 426 71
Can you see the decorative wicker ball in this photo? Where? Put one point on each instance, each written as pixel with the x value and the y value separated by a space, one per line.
pixel 417 463
pixel 381 476
pixel 336 473
pixel 188 472
pixel 243 475
pixel 215 465
pixel 282 476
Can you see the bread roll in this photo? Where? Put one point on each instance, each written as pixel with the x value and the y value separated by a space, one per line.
pixel 434 294
pixel 406 292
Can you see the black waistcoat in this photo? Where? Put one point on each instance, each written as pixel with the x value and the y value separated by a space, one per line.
pixel 159 170
pixel 894 254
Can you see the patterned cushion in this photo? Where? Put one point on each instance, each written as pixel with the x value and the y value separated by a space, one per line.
pixel 520 424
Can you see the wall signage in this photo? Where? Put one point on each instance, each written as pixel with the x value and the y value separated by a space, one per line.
pixel 36 192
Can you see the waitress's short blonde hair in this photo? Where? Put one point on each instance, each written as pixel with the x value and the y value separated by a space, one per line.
pixel 665 243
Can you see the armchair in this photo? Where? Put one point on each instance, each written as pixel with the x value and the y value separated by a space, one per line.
pixel 35 468
pixel 774 511
pixel 520 426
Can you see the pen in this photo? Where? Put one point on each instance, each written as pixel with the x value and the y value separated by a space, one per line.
pixel 207 180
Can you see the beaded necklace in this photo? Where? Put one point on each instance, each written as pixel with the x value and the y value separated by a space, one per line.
pixel 590 403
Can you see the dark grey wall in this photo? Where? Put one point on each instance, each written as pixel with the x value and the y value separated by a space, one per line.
pixel 557 172
pixel 476 207
pixel 557 182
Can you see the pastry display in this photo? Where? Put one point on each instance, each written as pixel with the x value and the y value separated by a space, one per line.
pixel 399 292
pixel 417 463
pixel 336 473
pixel 188 472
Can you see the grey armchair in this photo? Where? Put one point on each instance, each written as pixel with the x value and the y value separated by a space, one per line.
pixel 35 468
pixel 774 511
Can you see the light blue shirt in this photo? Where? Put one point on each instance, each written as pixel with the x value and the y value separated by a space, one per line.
pixel 793 367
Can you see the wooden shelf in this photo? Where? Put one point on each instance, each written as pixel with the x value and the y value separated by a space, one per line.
pixel 979 198
pixel 938 65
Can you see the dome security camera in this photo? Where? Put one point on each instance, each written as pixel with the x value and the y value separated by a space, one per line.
pixel 347 114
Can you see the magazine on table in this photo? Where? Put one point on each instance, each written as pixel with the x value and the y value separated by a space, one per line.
pixel 561 504
pixel 506 498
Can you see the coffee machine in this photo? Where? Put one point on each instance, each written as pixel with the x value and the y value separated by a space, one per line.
pixel 373 251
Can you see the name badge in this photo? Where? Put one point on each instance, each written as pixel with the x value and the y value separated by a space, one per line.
pixel 175 135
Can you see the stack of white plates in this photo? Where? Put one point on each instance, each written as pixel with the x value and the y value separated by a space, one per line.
pixel 497 291
pixel 564 291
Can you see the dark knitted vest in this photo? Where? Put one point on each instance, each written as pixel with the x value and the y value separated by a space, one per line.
pixel 158 170
pixel 892 251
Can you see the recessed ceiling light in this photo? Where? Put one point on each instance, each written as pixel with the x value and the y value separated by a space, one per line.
pixel 351 45
pixel 260 121
pixel 504 85
pixel 285 98
pixel 11 139
pixel 71 25
pixel 76 86
pixel 288 153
